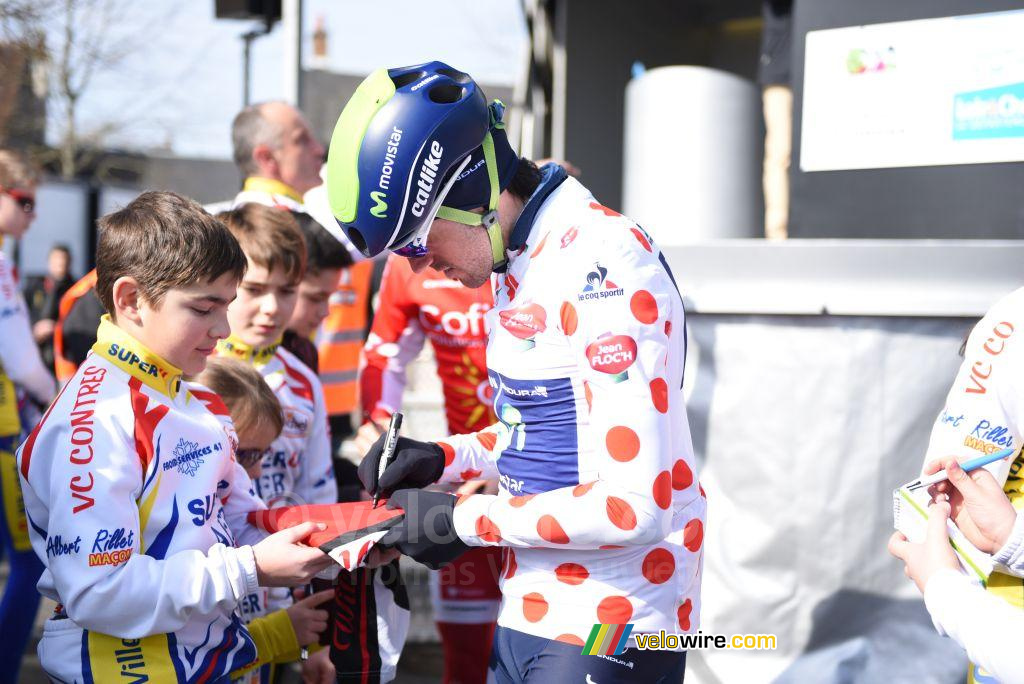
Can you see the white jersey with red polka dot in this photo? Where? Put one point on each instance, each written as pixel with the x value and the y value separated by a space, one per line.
pixel 599 511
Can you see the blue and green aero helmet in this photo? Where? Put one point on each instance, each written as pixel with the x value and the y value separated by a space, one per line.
pixel 408 138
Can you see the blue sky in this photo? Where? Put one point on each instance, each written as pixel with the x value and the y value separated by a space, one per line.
pixel 181 84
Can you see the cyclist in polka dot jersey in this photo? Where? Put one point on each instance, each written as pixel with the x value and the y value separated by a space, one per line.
pixel 599 513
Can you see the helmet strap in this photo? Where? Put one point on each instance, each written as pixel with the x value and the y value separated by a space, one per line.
pixel 488 219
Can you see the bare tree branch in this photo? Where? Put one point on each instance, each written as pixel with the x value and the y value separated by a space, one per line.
pixel 21 18
pixel 87 46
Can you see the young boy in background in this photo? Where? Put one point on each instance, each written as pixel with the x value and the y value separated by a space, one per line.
pixel 325 259
pixel 297 468
pixel 256 414
pixel 112 472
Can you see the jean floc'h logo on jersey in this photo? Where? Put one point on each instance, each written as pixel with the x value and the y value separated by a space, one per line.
pixel 612 354
pixel 524 322
pixel 569 236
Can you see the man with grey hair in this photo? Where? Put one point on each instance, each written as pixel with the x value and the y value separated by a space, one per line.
pixel 280 160
pixel 277 154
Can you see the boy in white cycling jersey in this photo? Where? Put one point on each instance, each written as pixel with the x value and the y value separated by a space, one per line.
pixel 136 503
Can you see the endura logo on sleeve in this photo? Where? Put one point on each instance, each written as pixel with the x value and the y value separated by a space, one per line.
pixel 428 174
pixel 535 391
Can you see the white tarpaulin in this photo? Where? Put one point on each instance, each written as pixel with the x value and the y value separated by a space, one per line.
pixel 802 426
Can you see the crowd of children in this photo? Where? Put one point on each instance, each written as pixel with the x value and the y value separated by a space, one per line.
pixel 200 387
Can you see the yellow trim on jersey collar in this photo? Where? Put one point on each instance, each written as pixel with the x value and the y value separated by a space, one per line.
pixel 134 358
pixel 271 187
pixel 257 356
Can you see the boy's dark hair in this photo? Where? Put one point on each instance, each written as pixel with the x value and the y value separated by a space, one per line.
pixel 163 240
pixel 269 237
pixel 323 250
pixel 526 180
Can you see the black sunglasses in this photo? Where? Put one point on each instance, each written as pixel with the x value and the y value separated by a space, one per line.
pixel 248 457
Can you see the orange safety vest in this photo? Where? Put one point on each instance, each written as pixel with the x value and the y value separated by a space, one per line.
pixel 340 342
pixel 64 368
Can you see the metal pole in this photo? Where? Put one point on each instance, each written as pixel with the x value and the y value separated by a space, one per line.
pixel 247 39
pixel 291 21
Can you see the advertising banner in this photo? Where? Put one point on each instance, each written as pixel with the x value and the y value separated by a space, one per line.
pixel 929 92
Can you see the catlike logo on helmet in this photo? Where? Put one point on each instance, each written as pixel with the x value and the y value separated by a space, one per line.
pixel 525 321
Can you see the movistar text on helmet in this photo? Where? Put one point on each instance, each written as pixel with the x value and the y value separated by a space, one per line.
pixel 394 140
pixel 428 172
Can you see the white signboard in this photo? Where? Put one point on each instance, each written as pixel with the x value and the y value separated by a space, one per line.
pixel 914 93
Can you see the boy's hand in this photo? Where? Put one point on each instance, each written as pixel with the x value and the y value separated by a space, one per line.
pixel 282 560
pixel 318 668
pixel 416 464
pixel 979 506
pixel 366 435
pixel 924 560
pixel 307 621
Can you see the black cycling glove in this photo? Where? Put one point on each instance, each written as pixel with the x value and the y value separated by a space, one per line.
pixel 427 532
pixel 416 464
